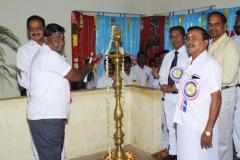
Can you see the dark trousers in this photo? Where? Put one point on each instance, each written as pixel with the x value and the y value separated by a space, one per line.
pixel 48 137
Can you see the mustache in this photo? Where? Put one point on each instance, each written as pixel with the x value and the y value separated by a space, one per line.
pixel 35 34
pixel 190 45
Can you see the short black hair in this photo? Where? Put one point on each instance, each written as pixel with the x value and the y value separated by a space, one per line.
pixel 180 28
pixel 223 17
pixel 128 59
pixel 35 17
pixel 156 55
pixel 204 32
pixel 142 53
pixel 238 12
pixel 52 28
pixel 160 53
pixel 109 61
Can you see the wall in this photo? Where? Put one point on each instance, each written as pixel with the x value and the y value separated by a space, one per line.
pixel 86 129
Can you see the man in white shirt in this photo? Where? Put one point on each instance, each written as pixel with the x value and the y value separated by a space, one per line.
pixel 141 69
pixel 170 73
pixel 130 77
pixel 25 54
pixel 101 82
pixel 158 58
pixel 236 119
pixel 198 102
pixel 226 51
pixel 49 93
pixel 91 79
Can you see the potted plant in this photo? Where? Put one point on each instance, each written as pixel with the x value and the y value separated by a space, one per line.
pixel 4 68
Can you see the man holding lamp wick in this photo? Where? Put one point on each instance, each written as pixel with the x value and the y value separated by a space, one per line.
pixel 49 93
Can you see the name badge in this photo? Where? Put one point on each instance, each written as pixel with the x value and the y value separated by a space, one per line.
pixel 176 73
pixel 190 89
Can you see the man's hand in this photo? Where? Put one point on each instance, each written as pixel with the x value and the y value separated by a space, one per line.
pixel 155 73
pixel 206 141
pixel 89 66
pixel 167 88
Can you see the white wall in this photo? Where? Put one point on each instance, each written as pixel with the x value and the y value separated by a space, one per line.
pixel 14 13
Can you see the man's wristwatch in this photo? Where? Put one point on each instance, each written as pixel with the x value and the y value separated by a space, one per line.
pixel 208 133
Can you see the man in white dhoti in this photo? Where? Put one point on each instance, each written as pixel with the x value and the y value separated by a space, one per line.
pixel 198 101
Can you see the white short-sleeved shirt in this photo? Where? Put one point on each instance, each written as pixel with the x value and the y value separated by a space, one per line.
pixel 93 83
pixel 197 110
pixel 49 90
pixel 129 79
pixel 101 82
pixel 25 55
pixel 236 38
pixel 143 74
pixel 167 61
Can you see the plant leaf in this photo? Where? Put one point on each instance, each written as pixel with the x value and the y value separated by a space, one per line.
pixel 5 31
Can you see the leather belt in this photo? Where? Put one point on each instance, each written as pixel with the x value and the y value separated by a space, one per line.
pixel 175 92
pixel 226 87
pixel 238 85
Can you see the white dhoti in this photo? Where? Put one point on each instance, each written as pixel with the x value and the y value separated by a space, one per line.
pixel 229 100
pixel 189 146
pixel 170 107
pixel 236 125
pixel 164 129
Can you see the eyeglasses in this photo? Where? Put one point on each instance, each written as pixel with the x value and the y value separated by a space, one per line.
pixel 32 29
pixel 175 36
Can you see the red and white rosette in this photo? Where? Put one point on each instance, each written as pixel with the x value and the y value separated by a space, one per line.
pixel 176 73
pixel 190 89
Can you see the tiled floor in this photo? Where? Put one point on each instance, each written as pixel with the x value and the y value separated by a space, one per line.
pixel 140 155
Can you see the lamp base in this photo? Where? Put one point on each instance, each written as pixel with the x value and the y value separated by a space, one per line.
pixel 130 156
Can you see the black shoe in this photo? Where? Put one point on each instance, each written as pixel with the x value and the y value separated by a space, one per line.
pixel 170 157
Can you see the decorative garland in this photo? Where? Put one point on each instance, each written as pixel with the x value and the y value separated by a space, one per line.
pixel 81 20
pixel 181 20
pixel 74 40
pixel 123 96
pixel 108 96
pixel 154 28
pixel 167 23
pixel 96 22
pixel 141 23
pixel 202 19
pixel 129 24
pixel 226 13
pixel 112 21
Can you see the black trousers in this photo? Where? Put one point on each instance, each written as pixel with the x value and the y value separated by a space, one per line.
pixel 48 137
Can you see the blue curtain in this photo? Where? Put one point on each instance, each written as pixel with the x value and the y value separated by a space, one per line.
pixel 172 21
pixel 130 36
pixel 195 19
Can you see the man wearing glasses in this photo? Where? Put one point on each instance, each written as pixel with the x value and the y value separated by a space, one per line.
pixel 170 73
